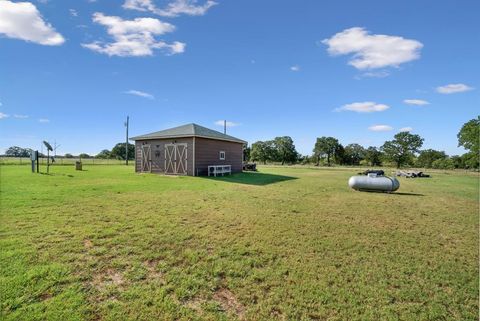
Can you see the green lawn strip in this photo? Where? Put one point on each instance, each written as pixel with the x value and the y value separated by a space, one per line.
pixel 110 244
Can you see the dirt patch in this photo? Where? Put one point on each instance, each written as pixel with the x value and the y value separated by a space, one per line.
pixel 277 314
pixel 153 273
pixel 109 277
pixel 195 304
pixel 229 303
pixel 87 244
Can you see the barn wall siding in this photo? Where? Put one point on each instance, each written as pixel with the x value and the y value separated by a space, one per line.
pixel 207 152
pixel 158 153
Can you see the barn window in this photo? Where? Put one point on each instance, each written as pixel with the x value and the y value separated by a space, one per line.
pixel 222 155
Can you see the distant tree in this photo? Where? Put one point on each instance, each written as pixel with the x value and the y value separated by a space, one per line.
pixel 457 161
pixel 469 138
pixel 373 156
pixel 469 135
pixel 67 155
pixel 325 146
pixel 246 153
pixel 339 155
pixel 16 151
pixel 285 149
pixel 443 163
pixel 402 148
pixel 84 155
pixel 354 154
pixel 303 159
pixel 118 151
pixel 262 151
pixel 470 160
pixel 428 156
pixel 104 154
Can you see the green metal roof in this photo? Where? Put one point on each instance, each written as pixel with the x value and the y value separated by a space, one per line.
pixel 189 130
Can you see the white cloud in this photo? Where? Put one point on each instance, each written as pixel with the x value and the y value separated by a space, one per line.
pixel 295 68
pixel 375 74
pixel 173 9
pixel 373 51
pixel 140 94
pixel 20 116
pixel 134 37
pixel 229 123
pixel 44 120
pixel 73 12
pixel 22 20
pixel 453 88
pixel 416 102
pixel 363 107
pixel 405 129
pixel 2 115
pixel 380 128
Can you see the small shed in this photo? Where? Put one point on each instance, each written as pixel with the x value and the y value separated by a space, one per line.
pixel 187 150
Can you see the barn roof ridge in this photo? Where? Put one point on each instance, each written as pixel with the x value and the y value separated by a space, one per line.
pixel 189 130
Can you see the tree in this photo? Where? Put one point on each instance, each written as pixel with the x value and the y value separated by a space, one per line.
pixel 246 153
pixel 104 154
pixel 428 156
pixel 468 137
pixel 118 151
pixel 84 155
pixel 354 154
pixel 373 156
pixel 443 163
pixel 285 149
pixel 457 161
pixel 262 151
pixel 325 146
pixel 67 155
pixel 339 155
pixel 402 148
pixel 16 151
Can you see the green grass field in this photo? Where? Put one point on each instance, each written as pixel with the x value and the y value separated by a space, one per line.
pixel 281 244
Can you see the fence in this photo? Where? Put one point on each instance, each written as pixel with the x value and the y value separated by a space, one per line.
pixel 63 161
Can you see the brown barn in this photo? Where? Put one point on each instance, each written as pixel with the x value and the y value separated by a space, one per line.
pixel 187 150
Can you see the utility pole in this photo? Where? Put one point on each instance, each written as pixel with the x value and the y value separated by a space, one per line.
pixel 126 143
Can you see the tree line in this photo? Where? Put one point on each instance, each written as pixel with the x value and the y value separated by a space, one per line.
pixel 117 152
pixel 403 150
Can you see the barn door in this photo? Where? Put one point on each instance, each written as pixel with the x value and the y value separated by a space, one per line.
pixel 146 158
pixel 176 159
pixel 170 159
pixel 181 158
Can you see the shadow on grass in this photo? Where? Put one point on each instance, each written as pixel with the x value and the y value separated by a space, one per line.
pixel 407 194
pixel 391 193
pixel 252 178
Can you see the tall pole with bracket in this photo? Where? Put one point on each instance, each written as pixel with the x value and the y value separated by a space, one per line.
pixel 126 142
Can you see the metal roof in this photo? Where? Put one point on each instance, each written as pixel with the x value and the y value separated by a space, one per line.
pixel 189 130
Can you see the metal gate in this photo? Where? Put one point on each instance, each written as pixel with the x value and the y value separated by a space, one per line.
pixel 146 159
pixel 176 159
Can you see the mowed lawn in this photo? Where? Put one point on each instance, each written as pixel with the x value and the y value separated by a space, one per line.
pixel 282 244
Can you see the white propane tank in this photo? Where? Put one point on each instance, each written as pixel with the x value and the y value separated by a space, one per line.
pixel 372 182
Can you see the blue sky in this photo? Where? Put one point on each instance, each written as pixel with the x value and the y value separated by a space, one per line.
pixel 71 71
